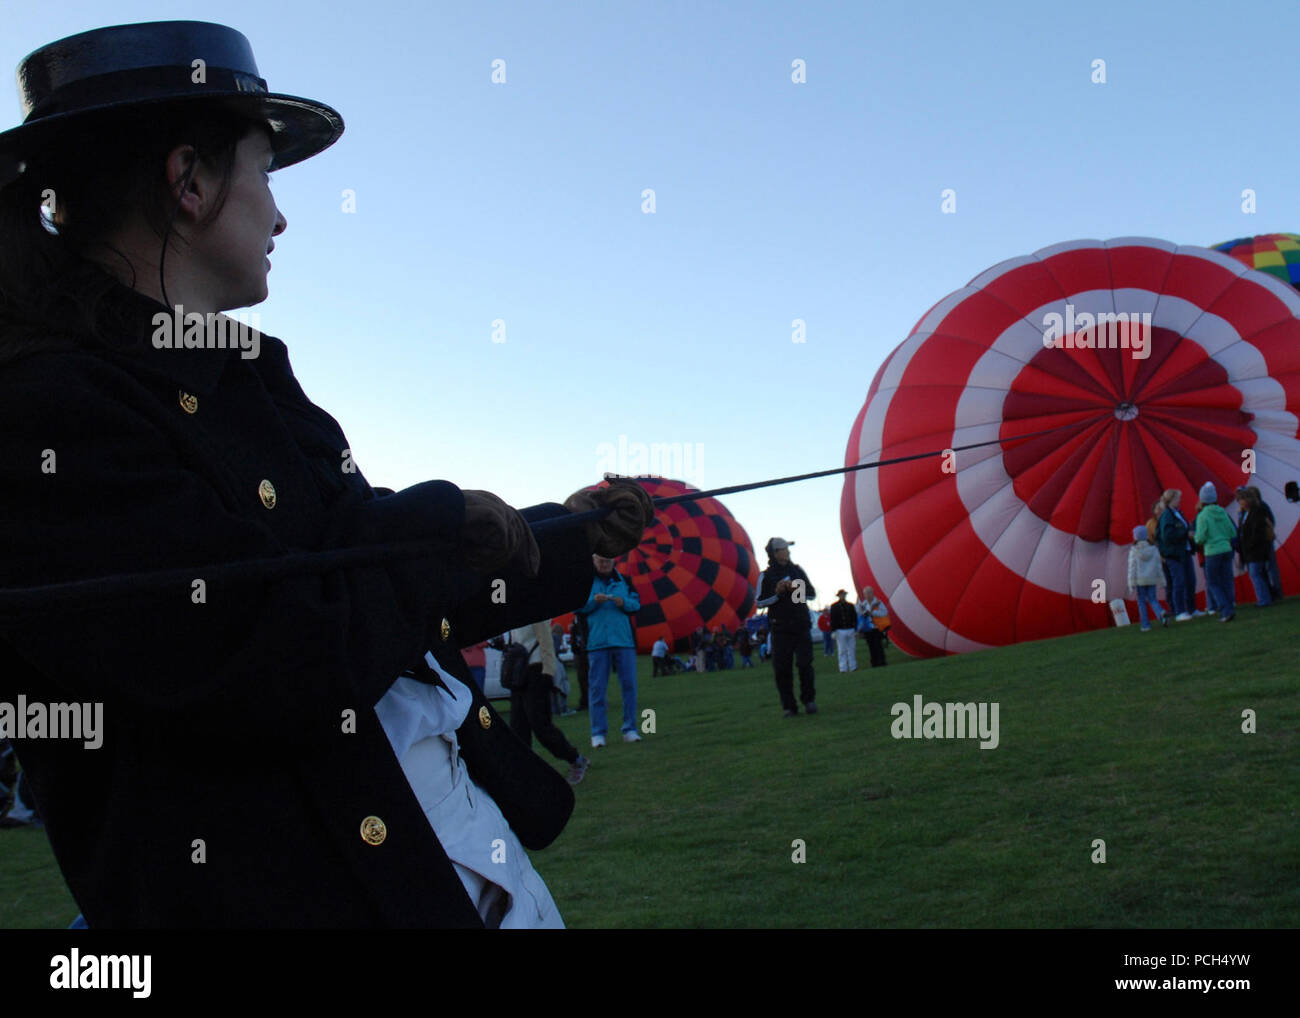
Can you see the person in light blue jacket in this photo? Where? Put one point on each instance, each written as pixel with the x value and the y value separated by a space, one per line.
pixel 611 642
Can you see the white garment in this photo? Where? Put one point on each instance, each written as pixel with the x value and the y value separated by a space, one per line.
pixel 420 721
pixel 846 640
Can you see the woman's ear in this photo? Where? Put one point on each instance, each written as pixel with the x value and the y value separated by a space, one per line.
pixel 187 184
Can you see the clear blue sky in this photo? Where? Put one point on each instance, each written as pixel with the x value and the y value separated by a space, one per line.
pixel 775 201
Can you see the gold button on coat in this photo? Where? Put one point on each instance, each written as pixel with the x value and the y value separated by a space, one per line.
pixel 189 403
pixel 373 831
pixel 484 717
pixel 446 630
pixel 267 491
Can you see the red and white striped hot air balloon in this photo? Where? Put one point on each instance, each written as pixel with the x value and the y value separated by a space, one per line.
pixel 1197 379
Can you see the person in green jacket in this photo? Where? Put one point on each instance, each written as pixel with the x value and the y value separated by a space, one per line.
pixel 1215 532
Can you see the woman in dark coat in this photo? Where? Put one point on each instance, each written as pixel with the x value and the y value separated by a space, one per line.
pixel 1255 532
pixel 1172 536
pixel 258 602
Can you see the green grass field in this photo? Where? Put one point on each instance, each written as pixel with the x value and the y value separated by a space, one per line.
pixel 1132 738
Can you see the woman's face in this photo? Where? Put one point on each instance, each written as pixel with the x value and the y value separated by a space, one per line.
pixel 233 250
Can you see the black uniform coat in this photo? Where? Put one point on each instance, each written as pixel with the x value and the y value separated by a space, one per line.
pixel 844 615
pixel 233 788
pixel 784 613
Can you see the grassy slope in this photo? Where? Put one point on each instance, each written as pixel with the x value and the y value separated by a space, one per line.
pixel 1129 737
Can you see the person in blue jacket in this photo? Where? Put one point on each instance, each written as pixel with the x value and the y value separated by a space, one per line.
pixel 611 642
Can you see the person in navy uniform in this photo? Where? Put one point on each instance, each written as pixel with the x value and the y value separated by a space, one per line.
pixel 277 646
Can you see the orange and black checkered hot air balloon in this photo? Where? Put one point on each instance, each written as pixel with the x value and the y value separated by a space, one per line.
pixel 694 567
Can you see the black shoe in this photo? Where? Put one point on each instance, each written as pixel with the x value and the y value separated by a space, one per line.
pixel 790 713
pixel 810 707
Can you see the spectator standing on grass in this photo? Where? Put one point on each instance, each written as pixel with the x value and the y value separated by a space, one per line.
pixel 1144 573
pixel 745 647
pixel 659 657
pixel 1189 569
pixel 711 656
pixel 578 644
pixel 16 806
pixel 1153 535
pixel 560 689
pixel 530 707
pixel 1198 556
pixel 1172 533
pixel 1256 539
pixel 844 623
pixel 784 590
pixel 609 609
pixel 720 651
pixel 873 611
pixel 698 647
pixel 1215 532
pixel 827 630
pixel 1274 575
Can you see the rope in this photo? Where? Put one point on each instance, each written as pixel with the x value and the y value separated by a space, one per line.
pixel 19 600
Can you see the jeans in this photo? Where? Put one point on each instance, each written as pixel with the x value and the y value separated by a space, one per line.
pixel 1259 577
pixel 1274 577
pixel 601 661
pixel 1178 595
pixel 1189 566
pixel 1147 597
pixel 1211 598
pixel 1218 573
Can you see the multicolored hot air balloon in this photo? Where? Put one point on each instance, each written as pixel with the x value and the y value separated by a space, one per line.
pixel 1160 366
pixel 1275 253
pixel 694 567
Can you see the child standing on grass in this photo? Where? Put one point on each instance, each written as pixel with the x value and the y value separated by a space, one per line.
pixel 1145 571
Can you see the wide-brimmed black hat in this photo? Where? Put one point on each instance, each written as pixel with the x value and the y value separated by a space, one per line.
pixel 62 85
